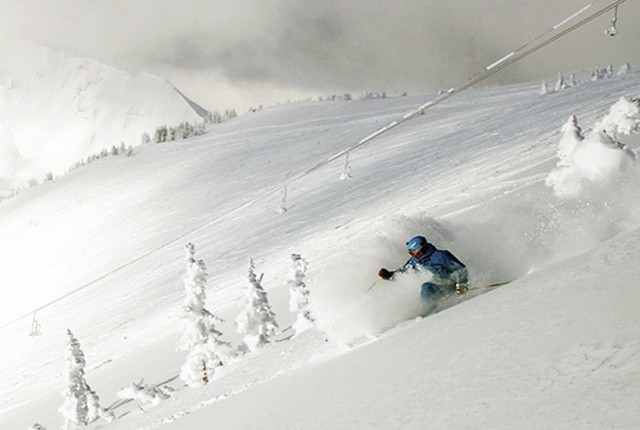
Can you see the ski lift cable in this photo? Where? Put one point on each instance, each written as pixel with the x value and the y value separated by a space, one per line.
pixel 523 51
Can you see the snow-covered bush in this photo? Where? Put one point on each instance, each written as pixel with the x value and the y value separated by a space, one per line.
pixel 299 295
pixel 256 322
pixel 147 395
pixel 598 159
pixel 200 337
pixel 37 426
pixel 624 69
pixel 623 118
pixel 81 404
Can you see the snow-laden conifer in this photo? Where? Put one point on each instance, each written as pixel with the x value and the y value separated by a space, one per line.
pixel 560 84
pixel 256 322
pixel 81 404
pixel 623 119
pixel 597 160
pixel 624 69
pixel 543 88
pixel 299 295
pixel 571 137
pixel 608 71
pixel 200 337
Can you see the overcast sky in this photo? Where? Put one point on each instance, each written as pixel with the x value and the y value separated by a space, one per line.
pixel 241 53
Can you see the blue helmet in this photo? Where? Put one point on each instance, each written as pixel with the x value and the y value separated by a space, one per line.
pixel 416 244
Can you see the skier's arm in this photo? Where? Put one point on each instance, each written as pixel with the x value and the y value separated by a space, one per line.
pixel 458 271
pixel 389 274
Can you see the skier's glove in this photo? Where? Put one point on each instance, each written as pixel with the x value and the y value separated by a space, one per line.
pixel 385 274
pixel 461 289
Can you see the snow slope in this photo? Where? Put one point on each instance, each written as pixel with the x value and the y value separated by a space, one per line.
pixel 56 110
pixel 100 251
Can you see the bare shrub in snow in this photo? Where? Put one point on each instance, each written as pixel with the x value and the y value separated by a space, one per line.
pixel 256 322
pixel 200 337
pixel 81 404
pixel 147 395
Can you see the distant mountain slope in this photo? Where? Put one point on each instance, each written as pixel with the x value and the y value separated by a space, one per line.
pixel 55 110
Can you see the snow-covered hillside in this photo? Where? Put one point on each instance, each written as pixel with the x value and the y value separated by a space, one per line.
pixel 56 110
pixel 100 252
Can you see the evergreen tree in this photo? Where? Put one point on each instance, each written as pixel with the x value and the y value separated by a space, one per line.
pixel 200 337
pixel 299 295
pixel 543 89
pixel 160 135
pixel 571 137
pixel 81 404
pixel 560 85
pixel 608 71
pixel 624 69
pixel 256 322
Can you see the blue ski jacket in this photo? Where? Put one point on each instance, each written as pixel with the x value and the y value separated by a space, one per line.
pixel 446 268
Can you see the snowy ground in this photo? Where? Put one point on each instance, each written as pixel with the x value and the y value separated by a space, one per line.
pixel 100 252
pixel 57 110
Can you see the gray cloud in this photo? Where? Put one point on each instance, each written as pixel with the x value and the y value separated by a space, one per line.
pixel 303 47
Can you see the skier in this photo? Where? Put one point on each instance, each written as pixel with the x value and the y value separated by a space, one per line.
pixel 449 274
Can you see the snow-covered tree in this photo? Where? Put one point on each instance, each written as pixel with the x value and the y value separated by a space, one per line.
pixel 595 161
pixel 161 134
pixel 624 69
pixel 147 395
pixel 256 322
pixel 623 119
pixel 560 84
pixel 609 71
pixel 571 137
pixel 200 337
pixel 81 404
pixel 299 295
pixel 543 88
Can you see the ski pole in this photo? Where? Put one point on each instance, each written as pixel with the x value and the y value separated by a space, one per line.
pixel 372 285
